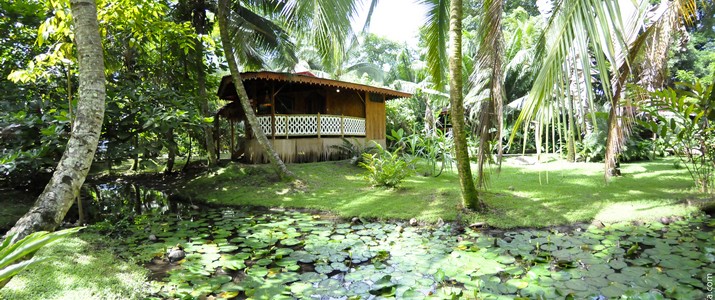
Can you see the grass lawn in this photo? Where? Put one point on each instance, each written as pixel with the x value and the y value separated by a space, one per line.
pixel 555 193
pixel 75 269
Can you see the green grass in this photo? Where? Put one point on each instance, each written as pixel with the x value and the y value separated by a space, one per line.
pixel 75 269
pixel 547 194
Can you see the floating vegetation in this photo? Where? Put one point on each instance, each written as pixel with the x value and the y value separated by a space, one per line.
pixel 289 254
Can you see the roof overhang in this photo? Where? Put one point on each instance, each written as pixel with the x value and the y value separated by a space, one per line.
pixel 309 80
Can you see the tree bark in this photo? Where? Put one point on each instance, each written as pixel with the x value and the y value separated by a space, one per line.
pixel 223 10
pixel 57 198
pixel 200 27
pixel 470 196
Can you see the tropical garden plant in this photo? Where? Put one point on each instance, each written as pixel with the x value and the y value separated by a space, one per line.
pixel 684 120
pixel 385 168
pixel 354 150
pixel 16 256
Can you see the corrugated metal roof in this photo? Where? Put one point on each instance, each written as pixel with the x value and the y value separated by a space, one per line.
pixel 298 78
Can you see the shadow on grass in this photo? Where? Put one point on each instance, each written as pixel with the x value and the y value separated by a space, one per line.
pixel 74 269
pixel 579 193
pixel 539 195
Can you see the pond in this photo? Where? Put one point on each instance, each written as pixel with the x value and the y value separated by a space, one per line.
pixel 260 253
pixel 286 254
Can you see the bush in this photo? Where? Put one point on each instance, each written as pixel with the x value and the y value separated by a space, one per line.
pixel 353 150
pixel 638 147
pixel 386 168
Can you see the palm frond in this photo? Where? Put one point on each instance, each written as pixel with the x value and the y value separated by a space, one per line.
pixel 268 41
pixel 436 38
pixel 326 23
pixel 490 55
pixel 579 27
pixel 372 70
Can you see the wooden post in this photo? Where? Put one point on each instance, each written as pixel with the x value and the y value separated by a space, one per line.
pixel 287 125
pixel 342 126
pixel 273 113
pixel 318 125
pixel 217 132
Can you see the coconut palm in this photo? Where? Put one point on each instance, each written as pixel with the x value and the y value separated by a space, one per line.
pixel 326 23
pixel 444 20
pixel 610 34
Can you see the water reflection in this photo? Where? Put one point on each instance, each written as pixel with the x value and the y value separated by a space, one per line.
pixel 120 200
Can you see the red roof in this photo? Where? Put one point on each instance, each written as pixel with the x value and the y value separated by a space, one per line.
pixel 310 79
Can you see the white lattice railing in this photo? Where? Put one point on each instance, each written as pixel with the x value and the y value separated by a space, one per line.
pixel 308 125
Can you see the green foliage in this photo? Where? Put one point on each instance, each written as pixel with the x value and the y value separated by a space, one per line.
pixel 353 150
pixel 638 146
pixel 684 119
pixel 432 147
pixel 385 168
pixel 15 257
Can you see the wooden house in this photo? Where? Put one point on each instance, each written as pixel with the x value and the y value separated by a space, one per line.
pixel 303 115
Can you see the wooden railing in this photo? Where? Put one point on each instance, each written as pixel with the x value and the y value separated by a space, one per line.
pixel 312 125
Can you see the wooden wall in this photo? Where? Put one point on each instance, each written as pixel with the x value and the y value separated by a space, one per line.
pixel 346 103
pixel 375 120
pixel 298 150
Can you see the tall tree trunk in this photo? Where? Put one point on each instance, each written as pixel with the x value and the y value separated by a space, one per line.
pixel 223 10
pixel 470 196
pixel 571 131
pixel 54 202
pixel 199 21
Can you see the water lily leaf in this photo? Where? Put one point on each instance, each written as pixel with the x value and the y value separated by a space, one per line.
pixel 359 288
pixel 257 271
pixel 383 287
pixel 232 263
pixel 290 242
pixel 561 276
pixel 577 285
pixel 323 268
pixel 613 291
pixel 517 283
pixel 617 264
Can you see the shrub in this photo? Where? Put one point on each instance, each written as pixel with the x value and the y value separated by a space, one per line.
pixel 353 150
pixel 385 168
pixel 14 256
pixel 638 146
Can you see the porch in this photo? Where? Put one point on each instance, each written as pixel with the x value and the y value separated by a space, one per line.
pixel 307 125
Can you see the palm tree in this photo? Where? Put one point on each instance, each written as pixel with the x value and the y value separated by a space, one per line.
pixel 325 22
pixel 609 34
pixel 59 194
pixel 470 196
pixel 444 20
pixel 227 16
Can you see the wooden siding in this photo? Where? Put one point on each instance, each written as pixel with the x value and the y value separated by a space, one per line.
pixel 299 150
pixel 374 119
pixel 345 103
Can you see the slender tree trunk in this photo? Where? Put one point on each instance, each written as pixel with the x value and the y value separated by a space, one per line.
pixel 571 132
pixel 57 198
pixel 188 157
pixel 470 196
pixel 223 11
pixel 172 151
pixel 199 21
pixel 135 165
